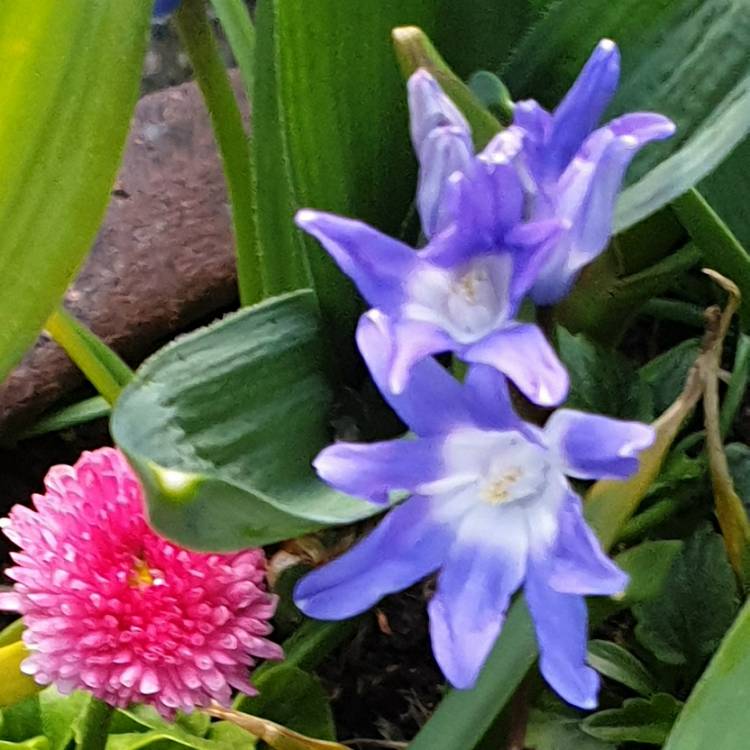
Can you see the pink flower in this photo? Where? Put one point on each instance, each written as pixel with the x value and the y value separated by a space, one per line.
pixel 113 608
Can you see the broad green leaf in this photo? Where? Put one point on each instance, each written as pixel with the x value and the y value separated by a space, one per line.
pixel 620 665
pixel 21 721
pixel 685 623
pixel 648 565
pixel 716 714
pixel 646 720
pixel 35 743
pixel 329 115
pixel 62 716
pixel 295 699
pixel 687 59
pixel 178 734
pixel 12 633
pixel 602 380
pixel 557 727
pixel 222 426
pixel 70 81
pixel 666 373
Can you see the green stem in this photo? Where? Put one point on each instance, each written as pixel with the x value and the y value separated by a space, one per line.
pixel 95 726
pixel 100 364
pixel 234 145
pixel 638 526
pixel 737 384
pixel 674 311
pixel 238 27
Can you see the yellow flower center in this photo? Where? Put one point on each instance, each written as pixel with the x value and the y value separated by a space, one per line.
pixel 498 491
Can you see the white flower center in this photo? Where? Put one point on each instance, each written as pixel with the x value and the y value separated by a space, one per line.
pixel 493 479
pixel 467 303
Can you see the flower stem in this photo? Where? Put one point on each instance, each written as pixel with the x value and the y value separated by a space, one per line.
pixel 198 40
pixel 737 384
pixel 95 726
pixel 675 311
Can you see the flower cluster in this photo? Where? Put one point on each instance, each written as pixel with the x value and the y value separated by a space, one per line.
pixel 111 607
pixel 490 504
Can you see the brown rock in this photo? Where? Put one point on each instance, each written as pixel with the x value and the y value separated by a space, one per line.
pixel 163 259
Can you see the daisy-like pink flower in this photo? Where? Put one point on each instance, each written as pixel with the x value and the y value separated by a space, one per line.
pixel 113 608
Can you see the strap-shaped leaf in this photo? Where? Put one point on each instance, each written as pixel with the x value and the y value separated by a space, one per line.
pixel 70 75
pixel 222 425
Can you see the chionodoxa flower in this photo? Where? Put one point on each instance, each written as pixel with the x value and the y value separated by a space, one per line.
pixel 490 508
pixel 111 607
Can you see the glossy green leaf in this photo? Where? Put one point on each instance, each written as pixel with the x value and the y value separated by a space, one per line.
pixel 687 59
pixel 21 721
pixel 716 714
pixel 648 565
pixel 685 623
pixel 666 373
pixel 70 81
pixel 329 118
pixel 603 380
pixel 553 726
pixel 620 665
pixel 62 716
pixel 295 699
pixel 35 743
pixel 222 426
pixel 638 720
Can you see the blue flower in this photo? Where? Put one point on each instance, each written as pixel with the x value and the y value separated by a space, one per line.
pixel 569 171
pixel 165 7
pixel 490 509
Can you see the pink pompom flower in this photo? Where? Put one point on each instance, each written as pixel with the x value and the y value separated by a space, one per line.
pixel 113 608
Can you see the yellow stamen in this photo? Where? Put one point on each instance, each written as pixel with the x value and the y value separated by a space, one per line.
pixel 498 492
pixel 141 577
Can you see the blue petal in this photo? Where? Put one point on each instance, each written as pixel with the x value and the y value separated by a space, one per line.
pixel 405 547
pixel 411 342
pixel 432 401
pixel 376 263
pixel 561 623
pixel 373 470
pixel 521 352
pixel 577 563
pixel 487 393
pixel 473 593
pixel 591 446
pixel 584 104
pixel 444 151
pixel 430 108
pixel 485 202
pixel 165 7
pixel 589 188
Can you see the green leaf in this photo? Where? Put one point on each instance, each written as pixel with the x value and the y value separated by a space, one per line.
pixel 177 734
pixel 556 727
pixel 639 720
pixel 35 743
pixel 716 714
pixel 223 424
pixel 602 380
pixel 687 59
pixel 685 623
pixel 197 38
pixel 62 716
pixel 68 416
pixel 70 81
pixel 100 364
pixel 666 374
pixel 295 699
pixel 620 665
pixel 329 115
pixel 648 565
pixel 21 721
